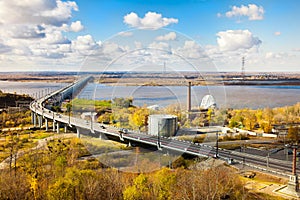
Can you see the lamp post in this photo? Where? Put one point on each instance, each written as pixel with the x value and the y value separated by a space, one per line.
pixel 217 145
pixel 158 135
pixel 69 107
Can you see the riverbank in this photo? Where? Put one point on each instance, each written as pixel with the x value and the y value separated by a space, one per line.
pixel 158 78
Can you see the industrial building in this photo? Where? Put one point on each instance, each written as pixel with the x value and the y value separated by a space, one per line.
pixel 162 125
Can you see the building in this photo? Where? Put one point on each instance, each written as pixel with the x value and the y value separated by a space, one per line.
pixel 162 125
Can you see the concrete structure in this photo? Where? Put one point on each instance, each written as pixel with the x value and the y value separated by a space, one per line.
pixel 162 125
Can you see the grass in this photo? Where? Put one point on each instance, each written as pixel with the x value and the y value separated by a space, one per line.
pixel 86 102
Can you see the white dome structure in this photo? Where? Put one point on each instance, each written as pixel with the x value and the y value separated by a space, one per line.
pixel 207 102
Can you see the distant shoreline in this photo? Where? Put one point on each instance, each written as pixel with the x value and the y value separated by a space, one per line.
pixel 162 79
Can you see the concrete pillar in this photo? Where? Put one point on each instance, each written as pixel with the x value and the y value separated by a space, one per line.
pixel 78 133
pixel 40 121
pixel 32 116
pixel 46 124
pixel 34 119
pixel 66 128
pixel 57 127
pixel 53 126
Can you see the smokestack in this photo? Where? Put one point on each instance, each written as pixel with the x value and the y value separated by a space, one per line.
pixel 294 161
pixel 189 99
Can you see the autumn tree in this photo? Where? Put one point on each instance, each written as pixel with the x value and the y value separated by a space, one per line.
pixel 293 134
pixel 139 118
pixel 139 190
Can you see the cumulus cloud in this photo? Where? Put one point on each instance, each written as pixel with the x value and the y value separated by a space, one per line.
pixel 4 48
pixel 232 40
pixel 160 46
pixel 151 20
pixel 252 11
pixel 55 37
pixel 76 26
pixel 25 31
pixel 54 12
pixel 167 37
pixel 272 55
pixel 191 50
pixel 85 44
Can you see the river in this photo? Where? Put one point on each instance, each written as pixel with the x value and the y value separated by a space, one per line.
pixel 225 96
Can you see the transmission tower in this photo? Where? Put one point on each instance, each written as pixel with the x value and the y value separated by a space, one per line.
pixel 243 68
pixel 164 69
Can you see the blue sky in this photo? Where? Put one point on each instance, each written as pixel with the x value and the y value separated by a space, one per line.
pixel 142 34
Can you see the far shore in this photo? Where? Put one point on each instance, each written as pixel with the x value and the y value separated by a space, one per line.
pixel 161 79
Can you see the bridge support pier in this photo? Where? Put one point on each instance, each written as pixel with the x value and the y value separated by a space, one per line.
pixel 34 119
pixel 46 124
pixel 40 121
pixel 65 128
pixel 57 127
pixel 78 133
pixel 53 126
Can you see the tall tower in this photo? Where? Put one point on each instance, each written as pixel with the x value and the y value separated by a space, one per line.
pixel 243 68
pixel 189 98
pixel 164 69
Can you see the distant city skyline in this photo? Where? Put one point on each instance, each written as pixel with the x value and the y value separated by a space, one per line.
pixel 129 35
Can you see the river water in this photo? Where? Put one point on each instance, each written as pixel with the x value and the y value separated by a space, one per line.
pixel 225 96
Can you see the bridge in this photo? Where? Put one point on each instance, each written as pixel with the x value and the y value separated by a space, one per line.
pixel 42 114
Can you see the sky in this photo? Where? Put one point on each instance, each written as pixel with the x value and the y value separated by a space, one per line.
pixel 148 35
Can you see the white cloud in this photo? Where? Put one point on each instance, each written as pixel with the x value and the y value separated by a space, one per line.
pixel 232 40
pixel 85 45
pixel 272 55
pixel 54 12
pixel 160 46
pixel 125 34
pixel 277 33
pixel 76 26
pixel 167 37
pixel 55 37
pixel 4 48
pixel 252 11
pixel 151 20
pixel 190 49
pixel 24 31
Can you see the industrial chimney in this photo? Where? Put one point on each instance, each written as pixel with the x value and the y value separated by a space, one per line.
pixel 189 99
